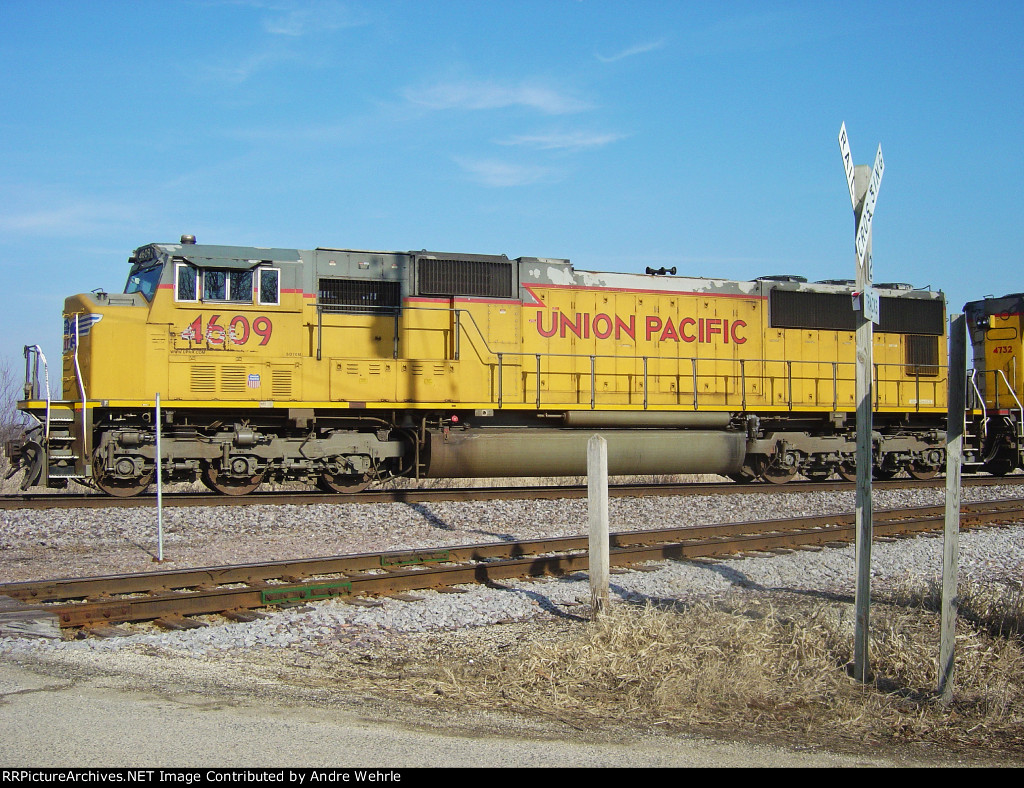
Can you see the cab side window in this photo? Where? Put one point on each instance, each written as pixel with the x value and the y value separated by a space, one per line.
pixel 269 286
pixel 186 279
pixel 227 285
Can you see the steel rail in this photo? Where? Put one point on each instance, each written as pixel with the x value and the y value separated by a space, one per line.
pixel 536 492
pixel 206 590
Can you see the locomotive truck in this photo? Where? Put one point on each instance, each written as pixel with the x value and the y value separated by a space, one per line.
pixel 338 367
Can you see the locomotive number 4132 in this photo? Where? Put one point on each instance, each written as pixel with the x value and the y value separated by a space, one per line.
pixel 237 331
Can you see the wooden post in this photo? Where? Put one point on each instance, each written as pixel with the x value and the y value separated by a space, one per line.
pixel 956 405
pixel 597 491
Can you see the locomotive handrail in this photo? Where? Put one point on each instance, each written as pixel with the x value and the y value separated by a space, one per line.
pixel 1009 388
pixel 81 388
pixel 693 360
pixel 33 355
pixel 978 400
pixel 502 359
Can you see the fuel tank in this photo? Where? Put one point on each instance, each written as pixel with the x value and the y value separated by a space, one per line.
pixel 563 452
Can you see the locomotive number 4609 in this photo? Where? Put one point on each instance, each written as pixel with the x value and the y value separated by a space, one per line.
pixel 238 330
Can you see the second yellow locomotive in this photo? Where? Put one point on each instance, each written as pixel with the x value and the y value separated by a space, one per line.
pixel 339 366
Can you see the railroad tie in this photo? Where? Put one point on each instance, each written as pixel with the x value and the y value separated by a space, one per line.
pixel 179 623
pixel 102 631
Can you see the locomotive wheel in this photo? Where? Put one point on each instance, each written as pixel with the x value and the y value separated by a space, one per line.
pixel 921 472
pixel 120 488
pixel 751 469
pixel 777 475
pixel 332 483
pixel 847 470
pixel 227 485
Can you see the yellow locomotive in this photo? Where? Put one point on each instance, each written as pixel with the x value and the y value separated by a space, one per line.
pixel 340 366
pixel 997 429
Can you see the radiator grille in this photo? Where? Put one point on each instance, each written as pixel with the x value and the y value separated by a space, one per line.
pixel 281 384
pixel 922 355
pixel 482 278
pixel 359 296
pixel 233 380
pixel 203 379
pixel 834 312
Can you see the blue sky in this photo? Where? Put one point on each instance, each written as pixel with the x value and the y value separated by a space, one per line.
pixel 617 134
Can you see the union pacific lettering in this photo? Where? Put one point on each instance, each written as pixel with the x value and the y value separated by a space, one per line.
pixel 584 325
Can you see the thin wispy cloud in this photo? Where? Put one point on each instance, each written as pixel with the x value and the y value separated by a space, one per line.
pixel 300 19
pixel 235 71
pixel 639 49
pixel 81 216
pixel 571 141
pixel 470 95
pixel 493 172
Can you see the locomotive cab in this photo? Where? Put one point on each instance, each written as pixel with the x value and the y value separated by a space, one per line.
pixel 997 380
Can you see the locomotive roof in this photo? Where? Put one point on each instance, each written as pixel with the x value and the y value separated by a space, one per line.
pixel 1012 303
pixel 532 270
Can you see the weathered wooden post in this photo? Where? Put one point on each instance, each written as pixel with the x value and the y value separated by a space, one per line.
pixel 956 405
pixel 597 492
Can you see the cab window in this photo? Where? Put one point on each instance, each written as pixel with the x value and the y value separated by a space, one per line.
pixel 186 280
pixel 227 285
pixel 269 286
pixel 144 280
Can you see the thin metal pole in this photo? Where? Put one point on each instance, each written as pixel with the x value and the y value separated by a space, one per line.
pixel 458 333
pixel 501 372
pixel 951 535
pixel 538 380
pixel 159 490
pixel 693 364
pixel 645 382
pixel 593 382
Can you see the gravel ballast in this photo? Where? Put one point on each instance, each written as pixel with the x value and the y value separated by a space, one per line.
pixel 68 543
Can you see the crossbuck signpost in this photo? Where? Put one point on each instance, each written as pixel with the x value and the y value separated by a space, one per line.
pixel 864 185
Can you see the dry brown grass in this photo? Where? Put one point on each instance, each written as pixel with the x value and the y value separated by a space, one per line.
pixel 765 671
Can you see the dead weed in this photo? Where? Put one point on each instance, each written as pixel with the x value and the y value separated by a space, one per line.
pixel 763 669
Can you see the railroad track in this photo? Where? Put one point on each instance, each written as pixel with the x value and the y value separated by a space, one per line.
pixel 240 591
pixel 282 497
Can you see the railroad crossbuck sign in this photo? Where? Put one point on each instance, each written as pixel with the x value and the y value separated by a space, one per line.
pixel 869 299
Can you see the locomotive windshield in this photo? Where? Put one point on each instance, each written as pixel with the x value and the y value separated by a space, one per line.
pixel 144 279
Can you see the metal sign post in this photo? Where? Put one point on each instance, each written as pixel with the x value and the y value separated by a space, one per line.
pixel 951 535
pixel 863 185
